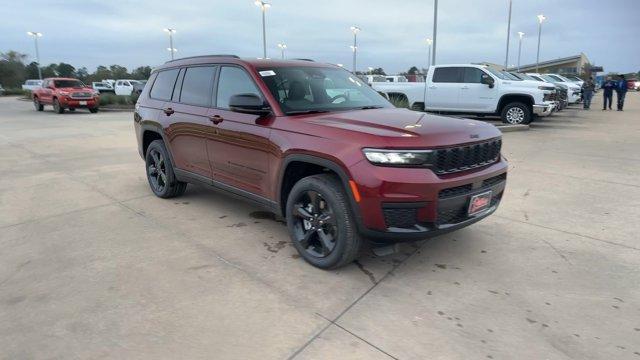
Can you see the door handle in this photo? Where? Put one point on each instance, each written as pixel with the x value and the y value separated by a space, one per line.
pixel 216 119
pixel 168 111
pixel 464 87
pixel 432 87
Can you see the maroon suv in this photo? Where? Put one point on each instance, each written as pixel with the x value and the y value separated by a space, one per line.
pixel 315 144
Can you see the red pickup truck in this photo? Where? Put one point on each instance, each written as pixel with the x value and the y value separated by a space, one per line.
pixel 65 93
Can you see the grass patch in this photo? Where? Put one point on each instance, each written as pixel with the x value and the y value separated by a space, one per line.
pixel 18 91
pixel 122 100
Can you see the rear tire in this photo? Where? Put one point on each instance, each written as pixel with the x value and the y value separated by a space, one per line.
pixel 37 104
pixel 93 110
pixel 56 107
pixel 160 174
pixel 320 222
pixel 516 113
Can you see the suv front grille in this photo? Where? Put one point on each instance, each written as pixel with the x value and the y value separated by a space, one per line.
pixel 81 95
pixel 467 157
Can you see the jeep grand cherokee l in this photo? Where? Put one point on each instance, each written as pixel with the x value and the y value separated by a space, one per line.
pixel 315 144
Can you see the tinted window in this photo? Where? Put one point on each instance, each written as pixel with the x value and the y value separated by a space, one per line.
pixel 68 83
pixel 472 75
pixel 448 75
pixel 163 86
pixel 233 81
pixel 196 87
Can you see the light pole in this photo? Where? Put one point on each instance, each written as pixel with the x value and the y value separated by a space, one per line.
pixel 263 5
pixel 354 47
pixel 541 18
pixel 370 70
pixel 171 49
pixel 36 35
pixel 506 59
pixel 520 34
pixel 435 30
pixel 282 48
pixel 429 42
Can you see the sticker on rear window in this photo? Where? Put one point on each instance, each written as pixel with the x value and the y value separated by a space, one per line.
pixel 267 73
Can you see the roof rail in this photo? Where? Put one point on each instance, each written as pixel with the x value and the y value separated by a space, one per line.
pixel 304 59
pixel 205 56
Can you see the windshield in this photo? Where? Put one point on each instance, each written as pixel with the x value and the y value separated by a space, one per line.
pixel 558 78
pixel 497 73
pixel 510 76
pixel 549 78
pixel 319 89
pixel 68 83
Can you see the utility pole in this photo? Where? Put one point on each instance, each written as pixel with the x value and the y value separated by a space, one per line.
pixel 506 59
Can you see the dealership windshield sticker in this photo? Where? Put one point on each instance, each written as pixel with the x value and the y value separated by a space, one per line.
pixel 267 73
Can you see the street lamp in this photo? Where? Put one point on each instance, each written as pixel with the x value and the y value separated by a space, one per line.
pixel 282 48
pixel 429 43
pixel 263 5
pixel 354 47
pixel 171 49
pixel 506 58
pixel 370 70
pixel 520 34
pixel 435 30
pixel 36 35
pixel 541 18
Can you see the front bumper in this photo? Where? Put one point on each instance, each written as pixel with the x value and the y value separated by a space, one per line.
pixel 72 103
pixel 399 204
pixel 544 109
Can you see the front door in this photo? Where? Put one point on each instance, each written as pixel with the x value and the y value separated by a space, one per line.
pixel 475 96
pixel 239 151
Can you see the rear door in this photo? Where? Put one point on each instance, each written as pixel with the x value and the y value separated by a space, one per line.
pixel 475 96
pixel 444 88
pixel 239 151
pixel 189 125
pixel 46 93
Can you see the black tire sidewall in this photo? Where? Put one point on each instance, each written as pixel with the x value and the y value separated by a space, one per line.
pixel 341 211
pixel 168 190
pixel 56 106
pixel 524 107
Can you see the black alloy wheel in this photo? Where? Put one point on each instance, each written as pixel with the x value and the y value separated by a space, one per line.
pixel 157 171
pixel 314 224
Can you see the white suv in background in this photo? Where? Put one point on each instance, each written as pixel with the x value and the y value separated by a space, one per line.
pixel 125 86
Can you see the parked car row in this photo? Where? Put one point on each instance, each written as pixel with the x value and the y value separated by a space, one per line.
pixel 118 87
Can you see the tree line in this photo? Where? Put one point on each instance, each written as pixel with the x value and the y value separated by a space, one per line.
pixel 14 71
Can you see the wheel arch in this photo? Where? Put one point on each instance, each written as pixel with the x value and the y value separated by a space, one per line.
pixel 515 97
pixel 150 132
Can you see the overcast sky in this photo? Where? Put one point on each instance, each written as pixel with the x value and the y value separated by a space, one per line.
pixel 91 33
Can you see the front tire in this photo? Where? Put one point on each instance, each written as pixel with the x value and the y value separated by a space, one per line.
pixel 56 107
pixel 160 174
pixel 516 113
pixel 320 222
pixel 37 104
pixel 93 110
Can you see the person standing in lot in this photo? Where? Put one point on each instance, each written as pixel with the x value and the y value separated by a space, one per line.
pixel 607 95
pixel 587 93
pixel 621 91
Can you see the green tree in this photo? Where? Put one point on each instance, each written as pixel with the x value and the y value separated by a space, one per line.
pixel 102 73
pixel 31 71
pixel 65 70
pixel 12 69
pixel 50 70
pixel 119 72
pixel 413 71
pixel 83 74
pixel 141 73
pixel 378 71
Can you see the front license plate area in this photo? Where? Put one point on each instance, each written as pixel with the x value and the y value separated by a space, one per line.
pixel 479 203
pixel 83 103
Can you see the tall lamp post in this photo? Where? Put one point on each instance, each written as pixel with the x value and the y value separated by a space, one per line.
pixel 541 18
pixel 282 47
pixel 36 35
pixel 354 47
pixel 429 42
pixel 520 34
pixel 263 5
pixel 435 30
pixel 171 49
pixel 506 59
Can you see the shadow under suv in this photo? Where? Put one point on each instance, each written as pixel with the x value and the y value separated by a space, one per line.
pixel 315 144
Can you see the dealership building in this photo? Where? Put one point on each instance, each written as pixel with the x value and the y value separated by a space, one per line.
pixel 571 65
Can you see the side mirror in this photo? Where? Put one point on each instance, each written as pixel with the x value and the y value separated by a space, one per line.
pixel 487 80
pixel 248 104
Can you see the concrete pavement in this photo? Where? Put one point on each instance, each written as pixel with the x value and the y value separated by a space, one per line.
pixel 92 265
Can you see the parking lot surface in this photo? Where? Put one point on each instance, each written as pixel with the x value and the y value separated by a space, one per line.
pixel 92 265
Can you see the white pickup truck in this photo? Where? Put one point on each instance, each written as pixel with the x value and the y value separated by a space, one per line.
pixel 474 89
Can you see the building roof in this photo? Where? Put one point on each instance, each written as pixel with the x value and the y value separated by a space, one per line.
pixel 554 62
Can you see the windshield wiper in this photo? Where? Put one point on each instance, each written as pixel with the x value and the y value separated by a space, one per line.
pixel 306 112
pixel 370 107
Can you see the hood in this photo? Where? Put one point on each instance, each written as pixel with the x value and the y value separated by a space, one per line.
pixel 76 89
pixel 402 127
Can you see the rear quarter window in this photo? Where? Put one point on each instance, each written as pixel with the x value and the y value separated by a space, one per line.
pixel 163 86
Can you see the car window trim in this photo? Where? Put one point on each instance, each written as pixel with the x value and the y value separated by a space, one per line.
pixel 459 78
pixel 184 75
pixel 214 102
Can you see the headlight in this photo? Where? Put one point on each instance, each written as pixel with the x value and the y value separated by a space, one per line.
pixel 542 87
pixel 398 157
pixel 63 93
